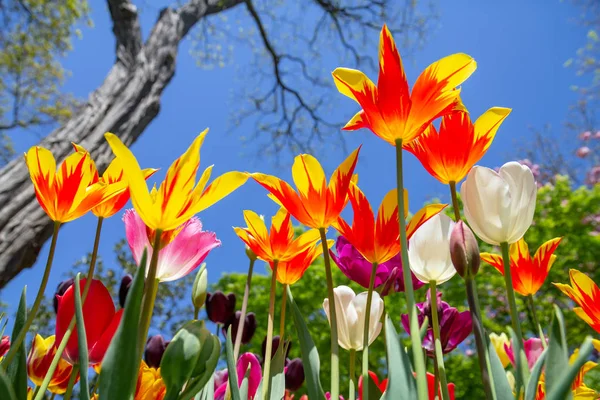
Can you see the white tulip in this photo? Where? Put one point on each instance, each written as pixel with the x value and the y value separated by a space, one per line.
pixel 350 315
pixel 429 250
pixel 499 206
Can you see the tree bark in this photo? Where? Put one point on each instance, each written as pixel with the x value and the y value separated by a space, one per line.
pixel 126 102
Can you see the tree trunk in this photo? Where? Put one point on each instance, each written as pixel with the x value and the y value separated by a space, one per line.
pixel 126 102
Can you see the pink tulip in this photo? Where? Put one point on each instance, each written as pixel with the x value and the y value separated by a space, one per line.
pixel 179 257
pixel 247 361
pixel 533 350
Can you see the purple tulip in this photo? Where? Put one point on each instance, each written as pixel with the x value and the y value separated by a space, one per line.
pixel 274 347
pixel 294 375
pixel 124 289
pixel 220 307
pixel 249 326
pixel 454 326
pixel 155 348
pixel 357 269
pixel 60 290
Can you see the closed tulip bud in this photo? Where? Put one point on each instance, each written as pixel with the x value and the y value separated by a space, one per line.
pixel 464 250
pixel 60 290
pixel 274 347
pixel 200 286
pixel 249 326
pixel 4 345
pixel 220 307
pixel 124 289
pixel 294 375
pixel 155 348
pixel 251 255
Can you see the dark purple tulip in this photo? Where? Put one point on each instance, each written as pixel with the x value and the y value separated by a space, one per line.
pixel 220 307
pixel 155 348
pixel 294 375
pixel 60 290
pixel 357 269
pixel 124 289
pixel 454 326
pixel 274 348
pixel 249 326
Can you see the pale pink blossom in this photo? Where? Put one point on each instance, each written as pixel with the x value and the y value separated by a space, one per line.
pixel 593 176
pixel 582 152
pixel 597 135
pixel 585 135
pixel 178 258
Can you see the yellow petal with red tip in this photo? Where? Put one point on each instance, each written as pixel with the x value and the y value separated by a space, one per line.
pixel 308 175
pixel 422 216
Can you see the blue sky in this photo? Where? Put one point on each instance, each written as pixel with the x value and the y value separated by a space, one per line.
pixel 520 47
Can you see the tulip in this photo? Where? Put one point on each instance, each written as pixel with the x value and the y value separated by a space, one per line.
pixel 429 250
pixel 155 348
pixel 533 350
pixel 185 248
pixel 199 289
pixel 454 326
pixel 124 287
pixel 499 206
pixel 60 290
pixel 499 342
pixel 585 293
pixel 4 345
pixel 38 362
pixel 432 391
pixel 150 385
pixel 220 307
pixel 290 272
pixel 220 378
pixel 389 109
pixel 351 309
pixel 381 385
pixel 101 321
pixel 249 326
pixel 294 375
pixel 464 251
pixel 275 345
pixel 246 364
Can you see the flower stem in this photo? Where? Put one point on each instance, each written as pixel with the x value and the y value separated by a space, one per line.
pixel 352 390
pixel 365 357
pixel 150 290
pixel 479 332
pixel 454 200
pixel 269 344
pixel 536 321
pixel 439 355
pixel 72 379
pixel 238 336
pixel 282 316
pixel 335 361
pixel 63 343
pixel 196 312
pixel 36 304
pixel 415 337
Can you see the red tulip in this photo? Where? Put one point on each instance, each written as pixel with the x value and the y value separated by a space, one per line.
pixel 101 321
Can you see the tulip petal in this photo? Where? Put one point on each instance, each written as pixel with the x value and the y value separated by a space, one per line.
pixel 308 176
pixel 101 345
pixel 136 235
pixel 422 216
pixel 544 257
pixel 494 260
pixel 358 121
pixel 523 190
pixel 286 196
pixel 42 169
pixel 218 189
pixel 488 123
pixel 387 232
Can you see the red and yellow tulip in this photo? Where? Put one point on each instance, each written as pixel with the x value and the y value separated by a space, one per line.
pixel 528 274
pixel 150 385
pixel 290 272
pixel 179 197
pixel 449 155
pixel 38 362
pixel 317 204
pixel 586 294
pixel 389 109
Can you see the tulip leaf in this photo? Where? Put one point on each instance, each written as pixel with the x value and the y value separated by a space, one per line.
pixel 84 389
pixel 521 364
pixel 16 371
pixel 501 387
pixel 231 368
pixel 209 358
pixel 208 391
pixel 6 389
pixel 310 355
pixel 561 389
pixel 536 373
pixel 121 362
pixel 401 384
pixel 244 387
pixel 277 376
pixel 558 356
pixel 424 327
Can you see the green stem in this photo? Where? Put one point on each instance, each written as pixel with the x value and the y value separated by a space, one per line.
pixel 150 290
pixel 217 329
pixel 415 337
pixel 53 396
pixel 353 385
pixel 238 336
pixel 16 344
pixel 72 379
pixel 196 312
pixel 63 344
pixel 536 321
pixel 335 361
pixel 269 344
pixel 365 357
pixel 282 316
pixel 454 200
pixel 439 355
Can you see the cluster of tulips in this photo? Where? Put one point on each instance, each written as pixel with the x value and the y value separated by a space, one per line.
pixel 381 252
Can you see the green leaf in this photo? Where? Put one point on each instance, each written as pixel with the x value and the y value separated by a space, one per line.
pixel 401 384
pixel 84 389
pixel 209 358
pixel 521 364
pixel 277 377
pixel 501 386
pixel 310 355
pixel 121 363
pixel 561 389
pixel 423 328
pixel 536 372
pixel 16 371
pixel 558 357
pixel 6 390
pixel 231 368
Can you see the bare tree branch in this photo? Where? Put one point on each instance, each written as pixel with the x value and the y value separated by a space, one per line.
pixel 126 27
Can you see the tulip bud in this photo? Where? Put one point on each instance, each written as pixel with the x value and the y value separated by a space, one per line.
pixel 464 250
pixel 199 289
pixel 4 345
pixel 219 307
pixel 251 255
pixel 249 326
pixel 124 289
pixel 155 348
pixel 274 347
pixel 60 290
pixel 294 375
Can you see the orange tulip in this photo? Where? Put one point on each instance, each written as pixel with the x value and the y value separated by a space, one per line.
pixel 378 240
pixel 528 274
pixel 449 155
pixel 278 244
pixel 586 294
pixel 38 362
pixel 69 192
pixel 290 272
pixel 150 385
pixel 316 204
pixel 389 109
